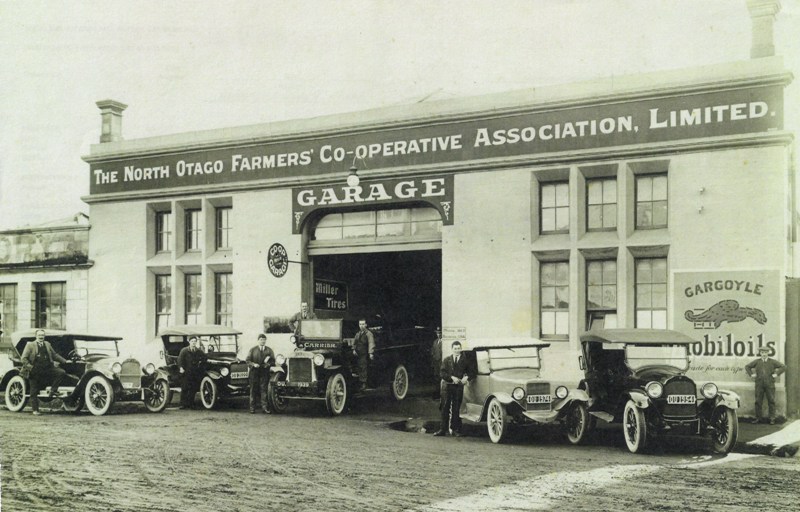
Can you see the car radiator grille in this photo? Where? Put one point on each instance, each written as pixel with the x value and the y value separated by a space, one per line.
pixel 300 370
pixel 239 369
pixel 538 388
pixel 680 387
pixel 131 374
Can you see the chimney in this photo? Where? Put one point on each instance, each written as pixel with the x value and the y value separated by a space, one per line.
pixel 111 115
pixel 762 16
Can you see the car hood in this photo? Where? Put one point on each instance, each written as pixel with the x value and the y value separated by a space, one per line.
pixel 222 357
pixel 515 375
pixel 657 373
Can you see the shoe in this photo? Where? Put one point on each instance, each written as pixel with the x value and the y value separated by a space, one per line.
pixel 36 413
pixel 440 433
pixel 267 411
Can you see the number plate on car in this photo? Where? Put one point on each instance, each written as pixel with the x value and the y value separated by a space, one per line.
pixel 238 375
pixel 539 399
pixel 681 399
pixel 129 384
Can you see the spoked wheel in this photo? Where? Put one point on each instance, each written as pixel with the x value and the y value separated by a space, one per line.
pixel 634 428
pixel 16 392
pixel 725 429
pixel 158 396
pixel 336 395
pixel 496 421
pixel 209 393
pixel 99 395
pixel 277 402
pixel 577 423
pixel 400 383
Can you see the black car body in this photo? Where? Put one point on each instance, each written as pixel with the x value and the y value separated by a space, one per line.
pixel 225 374
pixel 323 367
pixel 637 377
pixel 97 376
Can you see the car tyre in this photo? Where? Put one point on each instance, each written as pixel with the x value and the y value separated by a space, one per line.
pixel 159 397
pixel 725 429
pixel 496 421
pixel 634 427
pixel 400 383
pixel 577 423
pixel 73 405
pixel 16 393
pixel 209 392
pixel 277 403
pixel 99 395
pixel 336 394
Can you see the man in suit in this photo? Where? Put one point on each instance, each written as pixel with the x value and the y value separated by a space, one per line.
pixel 764 371
pixel 190 362
pixel 39 363
pixel 258 360
pixel 364 350
pixel 455 372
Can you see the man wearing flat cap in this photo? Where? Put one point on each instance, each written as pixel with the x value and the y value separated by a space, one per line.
pixel 764 371
pixel 259 360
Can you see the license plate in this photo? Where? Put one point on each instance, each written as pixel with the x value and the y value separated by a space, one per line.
pixel 239 375
pixel 539 399
pixel 298 384
pixel 129 384
pixel 681 399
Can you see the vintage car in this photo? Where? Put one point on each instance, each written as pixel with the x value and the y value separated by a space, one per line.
pixel 226 375
pixel 508 391
pixel 637 377
pixel 323 367
pixel 96 374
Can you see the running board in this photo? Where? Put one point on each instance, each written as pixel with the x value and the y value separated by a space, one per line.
pixel 63 392
pixel 608 418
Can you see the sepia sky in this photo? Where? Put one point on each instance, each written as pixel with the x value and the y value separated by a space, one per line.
pixel 186 66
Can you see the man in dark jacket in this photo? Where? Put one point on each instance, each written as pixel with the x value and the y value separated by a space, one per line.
pixel 258 360
pixel 38 362
pixel 190 362
pixel 764 371
pixel 456 371
pixel 364 350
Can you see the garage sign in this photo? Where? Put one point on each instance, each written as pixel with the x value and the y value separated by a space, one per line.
pixel 277 260
pixel 330 295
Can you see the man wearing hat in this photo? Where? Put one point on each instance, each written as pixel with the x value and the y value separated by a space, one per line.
pixel 765 370
pixel 258 360
pixel 456 371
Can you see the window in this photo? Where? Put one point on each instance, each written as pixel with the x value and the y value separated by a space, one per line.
pixel 651 293
pixel 555 208
pixel 50 305
pixel 163 231
pixel 193 299
pixel 163 301
pixel 601 204
pixel 651 201
pixel 193 230
pixel 399 222
pixel 223 236
pixel 601 294
pixel 555 299
pixel 223 299
pixel 8 313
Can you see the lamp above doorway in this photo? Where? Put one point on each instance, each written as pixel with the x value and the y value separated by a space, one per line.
pixel 353 179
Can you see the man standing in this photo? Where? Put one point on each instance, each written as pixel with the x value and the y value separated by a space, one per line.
pixel 364 350
pixel 303 314
pixel 455 372
pixel 436 363
pixel 258 360
pixel 190 362
pixel 38 362
pixel 765 370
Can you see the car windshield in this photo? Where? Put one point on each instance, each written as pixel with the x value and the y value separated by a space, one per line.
pixel 504 358
pixel 321 329
pixel 638 356
pixel 103 347
pixel 225 343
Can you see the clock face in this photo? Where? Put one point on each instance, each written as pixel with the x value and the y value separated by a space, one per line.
pixel 278 260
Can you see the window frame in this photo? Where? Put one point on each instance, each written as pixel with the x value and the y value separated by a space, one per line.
pixel 555 207
pixel 602 204
pixel 42 316
pixel 223 296
pixel 222 227
pixel 639 178
pixel 192 282
pixel 193 230
pixel 555 310
pixel 163 299
pixel 638 299
pixel 163 231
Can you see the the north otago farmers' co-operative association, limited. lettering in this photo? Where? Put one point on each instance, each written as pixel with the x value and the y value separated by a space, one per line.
pixel 671 118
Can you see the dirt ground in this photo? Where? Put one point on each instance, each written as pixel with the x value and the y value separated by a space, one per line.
pixel 230 460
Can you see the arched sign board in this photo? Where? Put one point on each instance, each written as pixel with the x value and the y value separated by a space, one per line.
pixel 277 260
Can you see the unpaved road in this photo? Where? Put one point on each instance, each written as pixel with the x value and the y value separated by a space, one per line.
pixel 229 460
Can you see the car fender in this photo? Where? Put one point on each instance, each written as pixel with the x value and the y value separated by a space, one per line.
pixel 503 398
pixel 7 377
pixel 274 370
pixel 639 398
pixel 213 374
pixel 575 395
pixel 728 399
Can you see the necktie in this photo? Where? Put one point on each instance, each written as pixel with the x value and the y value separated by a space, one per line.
pixel 456 360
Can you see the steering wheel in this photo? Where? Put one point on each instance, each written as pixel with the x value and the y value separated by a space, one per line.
pixel 73 355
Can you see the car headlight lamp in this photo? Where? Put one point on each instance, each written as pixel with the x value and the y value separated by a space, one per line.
pixel 280 359
pixel 709 390
pixel 562 392
pixel 224 371
pixel 518 393
pixel 319 359
pixel 150 369
pixel 654 389
pixel 116 367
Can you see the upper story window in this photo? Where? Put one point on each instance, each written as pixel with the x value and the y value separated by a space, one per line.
pixel 601 204
pixel 651 201
pixel 401 222
pixel 554 284
pixel 223 228
pixel 555 207
pixel 601 294
pixel 223 298
pixel 50 305
pixel 193 299
pixel 193 230
pixel 163 231
pixel 163 301
pixel 651 293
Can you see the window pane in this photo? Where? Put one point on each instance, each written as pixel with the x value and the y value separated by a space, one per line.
pixel 548 298
pixel 644 189
pixel 393 216
pixel 562 273
pixel 594 272
pixel 418 214
pixel 595 192
pixel 358 218
pixel 644 215
pixel 609 272
pixel 548 323
pixel 644 273
pixel 548 195
pixel 393 229
pixel 430 227
pixel 659 296
pixel 643 320
pixel 548 272
pixel 334 233
pixel 660 188
pixel 660 213
pixel 609 191
pixel 562 322
pixel 659 319
pixel 610 216
pixel 595 217
pixel 562 194
pixel 562 297
pixel 332 219
pixel 549 220
pixel 659 270
pixel 358 231
pixel 609 297
pixel 610 321
pixel 594 297
pixel 644 294
pixel 562 219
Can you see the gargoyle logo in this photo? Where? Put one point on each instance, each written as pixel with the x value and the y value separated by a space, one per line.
pixel 724 311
